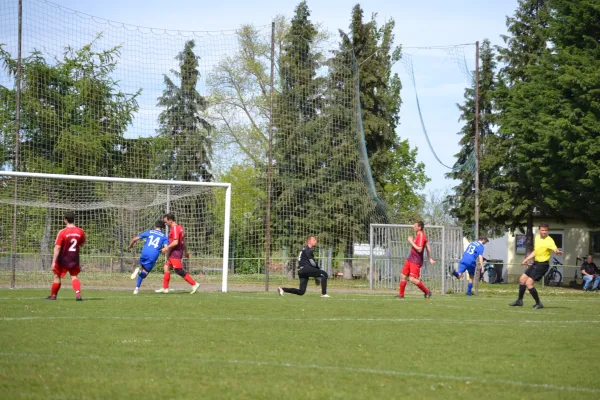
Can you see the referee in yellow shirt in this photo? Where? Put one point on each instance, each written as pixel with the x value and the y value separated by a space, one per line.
pixel 542 250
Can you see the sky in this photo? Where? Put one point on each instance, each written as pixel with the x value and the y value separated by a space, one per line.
pixel 440 79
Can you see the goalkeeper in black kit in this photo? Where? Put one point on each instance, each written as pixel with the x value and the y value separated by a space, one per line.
pixel 308 268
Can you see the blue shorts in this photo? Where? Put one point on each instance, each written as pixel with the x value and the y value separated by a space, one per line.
pixel 469 268
pixel 147 264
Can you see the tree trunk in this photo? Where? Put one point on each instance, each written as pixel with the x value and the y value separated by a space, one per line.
pixel 529 234
pixel 348 259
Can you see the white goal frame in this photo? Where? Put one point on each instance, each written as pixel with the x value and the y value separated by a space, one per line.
pixel 387 255
pixel 167 183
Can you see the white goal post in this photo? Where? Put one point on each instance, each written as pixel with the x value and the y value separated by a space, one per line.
pixel 149 198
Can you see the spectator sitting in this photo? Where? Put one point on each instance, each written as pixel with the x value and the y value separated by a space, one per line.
pixel 590 274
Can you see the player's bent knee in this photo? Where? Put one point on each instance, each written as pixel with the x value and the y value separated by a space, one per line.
pixel 180 272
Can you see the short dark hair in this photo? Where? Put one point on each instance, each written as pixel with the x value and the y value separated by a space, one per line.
pixel 544 225
pixel 169 216
pixel 484 238
pixel 421 224
pixel 159 224
pixel 70 217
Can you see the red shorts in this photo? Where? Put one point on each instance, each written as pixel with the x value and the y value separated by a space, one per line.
pixel 174 263
pixel 411 269
pixel 62 271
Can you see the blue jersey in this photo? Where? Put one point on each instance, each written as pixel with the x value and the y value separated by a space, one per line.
pixel 155 241
pixel 470 255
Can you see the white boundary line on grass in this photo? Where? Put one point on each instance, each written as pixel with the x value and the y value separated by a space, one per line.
pixel 284 319
pixel 337 296
pixel 512 310
pixel 457 378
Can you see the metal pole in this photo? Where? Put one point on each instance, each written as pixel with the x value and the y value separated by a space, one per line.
pixel 477 272
pixel 476 140
pixel 13 260
pixel 269 167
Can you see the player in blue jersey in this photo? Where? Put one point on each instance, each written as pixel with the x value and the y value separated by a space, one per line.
pixel 155 241
pixel 468 262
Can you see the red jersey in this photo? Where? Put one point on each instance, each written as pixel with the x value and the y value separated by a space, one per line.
pixel 69 240
pixel 176 233
pixel 415 256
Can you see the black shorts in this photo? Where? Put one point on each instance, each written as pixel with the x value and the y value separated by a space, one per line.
pixel 537 270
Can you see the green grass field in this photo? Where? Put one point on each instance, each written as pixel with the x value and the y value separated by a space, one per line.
pixel 258 345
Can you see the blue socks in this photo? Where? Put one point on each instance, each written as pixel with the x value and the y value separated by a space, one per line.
pixel 455 274
pixel 469 288
pixel 140 277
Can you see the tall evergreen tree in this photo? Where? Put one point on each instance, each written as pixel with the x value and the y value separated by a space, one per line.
pixel 462 201
pixel 522 181
pixel 297 178
pixel 394 168
pixel 379 88
pixel 188 144
pixel 182 121
pixel 568 80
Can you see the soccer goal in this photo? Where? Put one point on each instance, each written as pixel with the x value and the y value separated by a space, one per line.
pixel 111 211
pixel 389 248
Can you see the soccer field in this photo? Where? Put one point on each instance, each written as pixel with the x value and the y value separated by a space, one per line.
pixel 258 345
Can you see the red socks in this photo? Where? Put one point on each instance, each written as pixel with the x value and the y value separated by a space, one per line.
pixel 76 286
pixel 188 278
pixel 55 289
pixel 402 287
pixel 422 287
pixel 166 279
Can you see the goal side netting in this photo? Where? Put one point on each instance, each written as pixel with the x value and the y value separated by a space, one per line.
pixel 389 249
pixel 111 211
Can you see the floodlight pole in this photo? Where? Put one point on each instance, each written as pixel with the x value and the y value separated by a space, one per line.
pixel 477 272
pixel 476 140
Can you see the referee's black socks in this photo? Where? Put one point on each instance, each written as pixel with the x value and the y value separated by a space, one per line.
pixel 534 294
pixel 522 289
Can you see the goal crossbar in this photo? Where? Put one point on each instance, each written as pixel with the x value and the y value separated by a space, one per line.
pixel 164 182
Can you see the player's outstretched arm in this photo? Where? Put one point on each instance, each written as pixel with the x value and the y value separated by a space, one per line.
pixel 528 258
pixel 134 241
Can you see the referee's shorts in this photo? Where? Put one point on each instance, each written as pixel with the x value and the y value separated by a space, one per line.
pixel 537 270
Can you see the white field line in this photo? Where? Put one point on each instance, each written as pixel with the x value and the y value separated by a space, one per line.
pixel 517 310
pixel 287 319
pixel 336 296
pixel 373 371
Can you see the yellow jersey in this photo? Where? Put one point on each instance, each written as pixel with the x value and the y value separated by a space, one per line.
pixel 543 248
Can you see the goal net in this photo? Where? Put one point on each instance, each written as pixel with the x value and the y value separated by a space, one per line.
pixel 273 113
pixel 111 211
pixel 389 248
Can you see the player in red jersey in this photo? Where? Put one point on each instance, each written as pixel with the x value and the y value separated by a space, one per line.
pixel 175 252
pixel 412 266
pixel 66 256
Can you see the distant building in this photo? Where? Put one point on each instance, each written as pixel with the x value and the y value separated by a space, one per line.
pixel 574 238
